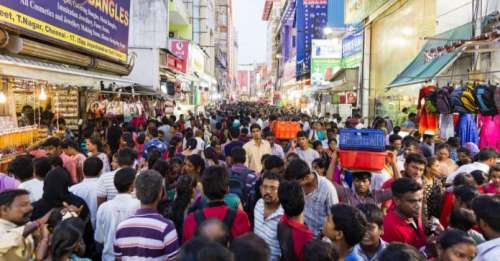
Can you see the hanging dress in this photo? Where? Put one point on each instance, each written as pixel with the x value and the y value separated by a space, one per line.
pixel 446 126
pixel 490 131
pixel 467 129
pixel 428 121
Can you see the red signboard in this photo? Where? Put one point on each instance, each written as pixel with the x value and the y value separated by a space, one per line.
pixel 181 49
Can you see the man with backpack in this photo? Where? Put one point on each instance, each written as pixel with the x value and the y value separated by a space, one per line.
pixel 215 181
pixel 242 180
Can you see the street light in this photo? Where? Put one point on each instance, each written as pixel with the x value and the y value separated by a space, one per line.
pixel 327 30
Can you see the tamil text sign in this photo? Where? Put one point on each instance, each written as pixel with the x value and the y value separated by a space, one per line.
pixel 96 26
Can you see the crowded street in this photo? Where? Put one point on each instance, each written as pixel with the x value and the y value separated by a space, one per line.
pixel 250 130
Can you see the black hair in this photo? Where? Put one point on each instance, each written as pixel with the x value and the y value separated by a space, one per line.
pixel 267 133
pixel 211 154
pixel 191 144
pixel 126 157
pixel 409 141
pixel 124 178
pixel 129 140
pixel 297 169
pixel 184 193
pixel 453 142
pixel 67 143
pixel 415 158
pixel 486 154
pixel 250 247
pixel 22 168
pixel 244 131
pixel 271 175
pixel 148 185
pixel 42 166
pixel 404 185
pixel 351 221
pixel 141 138
pixel 462 218
pixel 197 162
pixel 152 156
pixel 255 126
pixel 56 161
pixel 7 197
pixel 92 167
pixel 480 177
pixel 319 250
pixel 493 169
pixel 264 158
pixel 97 143
pixel 394 137
pixel 452 237
pixel 238 154
pixel 234 132
pixel 466 194
pixel 317 143
pixel 464 151
pixel 52 142
pixel 321 163
pixel 272 162
pixel 200 249
pixel 162 167
pixel 372 213
pixel 291 198
pixel 487 208
pixel 399 251
pixel 66 235
pixel 153 131
pixel 302 134
pixel 332 139
pixel 361 175
pixel 443 146
pixel 215 182
pixel 464 179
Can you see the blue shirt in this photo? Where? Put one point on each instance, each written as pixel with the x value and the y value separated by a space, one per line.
pixel 353 256
pixel 157 144
pixel 363 255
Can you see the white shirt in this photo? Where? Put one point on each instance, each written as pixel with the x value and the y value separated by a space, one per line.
pixel 255 153
pixel 35 188
pixel 267 229
pixel 278 150
pixel 378 179
pixel 318 204
pixel 308 155
pixel 106 185
pixel 489 250
pixel 87 190
pixel 109 215
pixel 200 144
pixel 468 168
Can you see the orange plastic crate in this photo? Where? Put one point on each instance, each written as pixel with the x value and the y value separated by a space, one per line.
pixel 362 160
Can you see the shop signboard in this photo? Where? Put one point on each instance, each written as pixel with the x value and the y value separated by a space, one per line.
pixel 289 71
pixel 196 59
pixel 181 49
pixel 352 49
pixel 331 48
pixel 97 27
pixel 357 10
pixel 323 69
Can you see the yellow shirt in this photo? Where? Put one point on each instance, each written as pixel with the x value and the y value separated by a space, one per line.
pixel 13 246
pixel 255 152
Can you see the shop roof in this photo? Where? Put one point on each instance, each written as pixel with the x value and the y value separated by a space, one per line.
pixel 420 70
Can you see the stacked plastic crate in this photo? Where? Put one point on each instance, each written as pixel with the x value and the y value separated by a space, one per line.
pixel 362 149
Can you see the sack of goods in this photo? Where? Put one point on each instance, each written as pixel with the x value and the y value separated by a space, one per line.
pixel 285 130
pixel 362 149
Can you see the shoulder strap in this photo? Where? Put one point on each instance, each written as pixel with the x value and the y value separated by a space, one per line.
pixel 199 216
pixel 229 218
pixel 285 240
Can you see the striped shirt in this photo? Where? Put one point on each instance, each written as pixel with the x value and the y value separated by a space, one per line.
pixel 318 204
pixel 267 229
pixel 146 236
pixel 106 185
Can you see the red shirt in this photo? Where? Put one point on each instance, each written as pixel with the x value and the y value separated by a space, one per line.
pixel 217 210
pixel 448 200
pixel 301 235
pixel 396 229
pixel 388 204
pixel 490 188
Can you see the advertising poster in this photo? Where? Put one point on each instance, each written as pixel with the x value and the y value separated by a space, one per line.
pixel 98 27
pixel 352 49
pixel 181 49
pixel 322 70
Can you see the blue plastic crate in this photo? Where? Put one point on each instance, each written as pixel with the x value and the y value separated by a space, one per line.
pixel 362 139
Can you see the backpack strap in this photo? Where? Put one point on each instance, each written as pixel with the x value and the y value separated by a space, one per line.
pixel 199 216
pixel 285 240
pixel 229 218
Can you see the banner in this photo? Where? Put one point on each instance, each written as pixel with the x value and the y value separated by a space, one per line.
pixel 196 59
pixel 181 49
pixel 99 27
pixel 312 23
pixel 357 10
pixel 331 48
pixel 352 49
pixel 322 70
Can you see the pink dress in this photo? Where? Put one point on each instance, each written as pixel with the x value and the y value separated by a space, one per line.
pixel 491 189
pixel 490 131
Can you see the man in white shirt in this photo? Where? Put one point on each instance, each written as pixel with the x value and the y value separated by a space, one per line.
pixel 275 148
pixel 487 209
pixel 22 169
pixel 256 148
pixel 268 213
pixel 304 151
pixel 486 159
pixel 106 189
pixel 87 189
pixel 116 210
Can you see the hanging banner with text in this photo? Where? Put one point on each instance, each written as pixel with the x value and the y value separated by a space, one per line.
pixel 95 26
pixel 352 50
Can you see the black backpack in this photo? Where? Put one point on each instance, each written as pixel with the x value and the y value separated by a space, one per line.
pixel 228 221
pixel 238 186
pixel 285 240
pixel 485 99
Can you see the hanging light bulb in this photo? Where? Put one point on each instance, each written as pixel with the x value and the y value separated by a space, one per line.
pixel 3 99
pixel 43 95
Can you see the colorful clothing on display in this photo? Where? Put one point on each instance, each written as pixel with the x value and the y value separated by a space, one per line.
pixel 428 121
pixel 446 127
pixel 467 130
pixel 490 131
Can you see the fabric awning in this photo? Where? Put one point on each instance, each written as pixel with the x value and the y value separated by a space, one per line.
pixel 419 70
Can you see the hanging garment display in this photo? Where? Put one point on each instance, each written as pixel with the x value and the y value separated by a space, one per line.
pixel 446 126
pixel 467 130
pixel 428 119
pixel 490 131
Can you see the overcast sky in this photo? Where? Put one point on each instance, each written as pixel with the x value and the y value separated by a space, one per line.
pixel 251 30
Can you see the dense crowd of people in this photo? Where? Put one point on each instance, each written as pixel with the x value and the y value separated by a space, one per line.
pixel 218 185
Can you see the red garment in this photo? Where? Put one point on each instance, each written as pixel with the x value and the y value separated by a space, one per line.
pixel 301 235
pixel 241 223
pixel 388 204
pixel 490 188
pixel 427 120
pixel 396 229
pixel 448 200
pixel 70 164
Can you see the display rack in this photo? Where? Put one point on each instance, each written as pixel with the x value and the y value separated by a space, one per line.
pixel 66 106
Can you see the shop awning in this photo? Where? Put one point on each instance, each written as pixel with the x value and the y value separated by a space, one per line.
pixel 419 70
pixel 61 74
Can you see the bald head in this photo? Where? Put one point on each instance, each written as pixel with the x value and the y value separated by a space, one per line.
pixel 214 230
